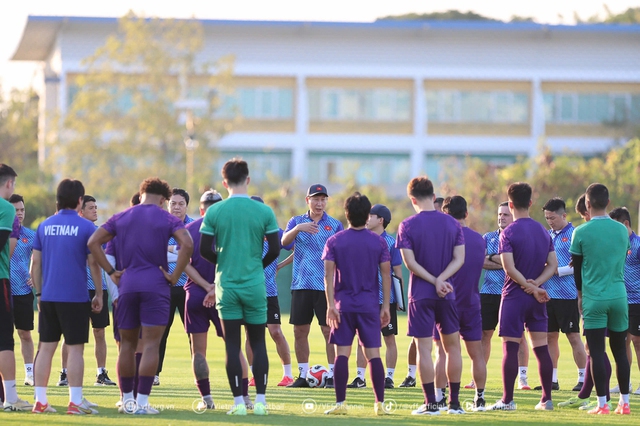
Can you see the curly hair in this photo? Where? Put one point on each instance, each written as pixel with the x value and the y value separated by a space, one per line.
pixel 155 186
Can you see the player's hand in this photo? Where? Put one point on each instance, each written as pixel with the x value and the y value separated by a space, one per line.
pixel 115 277
pixel 30 282
pixel 309 227
pixel 541 295
pixel 210 299
pixel 443 287
pixel 527 290
pixel 96 304
pixel 333 317
pixel 385 317
pixel 169 277
pixel 38 303
pixel 534 282
pixel 114 303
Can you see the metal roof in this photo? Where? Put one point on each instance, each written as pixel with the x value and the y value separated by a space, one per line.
pixel 40 31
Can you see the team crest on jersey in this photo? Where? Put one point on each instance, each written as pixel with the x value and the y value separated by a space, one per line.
pixel 629 252
pixel 25 240
pixel 565 239
pixel 327 228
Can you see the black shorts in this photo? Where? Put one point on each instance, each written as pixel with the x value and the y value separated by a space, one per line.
pixel 68 319
pixel 6 316
pixel 563 316
pixel 392 328
pixel 304 303
pixel 101 319
pixel 634 319
pixel 23 311
pixel 273 310
pixel 489 309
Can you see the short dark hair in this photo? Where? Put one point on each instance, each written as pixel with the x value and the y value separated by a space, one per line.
pixel 439 200
pixel 455 207
pixel 6 173
pixel 420 188
pixel 598 196
pixel 16 198
pixel 135 199
pixel 581 205
pixel 87 199
pixel 504 204
pixel 520 195
pixel 155 186
pixel 357 208
pixel 620 214
pixel 179 191
pixel 235 171
pixel 68 193
pixel 556 205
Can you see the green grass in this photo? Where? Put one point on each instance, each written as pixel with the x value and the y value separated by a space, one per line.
pixel 177 392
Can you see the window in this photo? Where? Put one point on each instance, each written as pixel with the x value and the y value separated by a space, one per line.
pixel 366 169
pixel 465 106
pixel 258 103
pixel 591 108
pixel 336 104
pixel 261 164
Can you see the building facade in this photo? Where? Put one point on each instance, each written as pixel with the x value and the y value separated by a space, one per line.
pixel 385 101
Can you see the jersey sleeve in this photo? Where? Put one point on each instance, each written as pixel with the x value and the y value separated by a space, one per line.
pixel 385 255
pixel 288 247
pixel 396 257
pixel 271 224
pixel 504 243
pixel 576 247
pixel 110 225
pixel 15 232
pixel 403 240
pixel 37 242
pixel 207 223
pixel 552 247
pixel 328 252
pixel 459 235
pixel 7 216
pixel 291 224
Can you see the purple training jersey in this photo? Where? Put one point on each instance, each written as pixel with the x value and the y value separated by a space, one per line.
pixel 530 244
pixel 431 236
pixel 141 247
pixel 465 282
pixel 205 268
pixel 357 255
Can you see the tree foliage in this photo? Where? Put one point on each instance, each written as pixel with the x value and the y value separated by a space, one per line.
pixel 124 122
pixel 449 15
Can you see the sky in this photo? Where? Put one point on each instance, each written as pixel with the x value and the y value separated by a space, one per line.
pixel 23 74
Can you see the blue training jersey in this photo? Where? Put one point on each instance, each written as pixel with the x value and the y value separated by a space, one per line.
pixel 493 278
pixel 21 261
pixel 632 270
pixel 562 287
pixel 396 259
pixel 271 270
pixel 172 265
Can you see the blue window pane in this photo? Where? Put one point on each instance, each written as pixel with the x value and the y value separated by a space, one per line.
pixel 285 103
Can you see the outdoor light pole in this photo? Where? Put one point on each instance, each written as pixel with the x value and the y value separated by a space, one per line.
pixel 190 143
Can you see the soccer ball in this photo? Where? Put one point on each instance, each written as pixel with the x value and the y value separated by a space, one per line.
pixel 317 376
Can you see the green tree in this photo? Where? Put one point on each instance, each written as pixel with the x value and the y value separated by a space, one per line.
pixel 449 15
pixel 126 119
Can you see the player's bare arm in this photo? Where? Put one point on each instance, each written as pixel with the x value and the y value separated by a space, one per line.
pixel 197 278
pixel 385 314
pixel 530 288
pixel 549 270
pixel 289 236
pixel 409 258
pixel 333 316
pixel 36 273
pixel 96 274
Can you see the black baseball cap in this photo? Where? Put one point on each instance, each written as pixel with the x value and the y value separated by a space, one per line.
pixel 317 189
pixel 210 196
pixel 381 211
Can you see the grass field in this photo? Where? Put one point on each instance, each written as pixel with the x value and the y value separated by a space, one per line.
pixel 177 393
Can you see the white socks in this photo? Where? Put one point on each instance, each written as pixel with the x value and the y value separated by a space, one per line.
pixel 41 395
pixel 238 400
pixel 412 371
pixel 361 372
pixel 287 370
pixel 581 375
pixel 523 372
pixel 330 371
pixel 390 372
pixel 261 398
pixel 303 368
pixel 142 400
pixel 28 369
pixel 75 395
pixel 602 401
pixel 555 375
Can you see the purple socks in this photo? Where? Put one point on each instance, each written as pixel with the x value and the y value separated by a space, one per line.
pixel 454 393
pixel 509 369
pixel 144 384
pixel 204 387
pixel 376 372
pixel 340 377
pixel 429 391
pixel 545 370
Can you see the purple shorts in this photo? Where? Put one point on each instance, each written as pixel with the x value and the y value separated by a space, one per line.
pixel 197 317
pixel 142 308
pixel 116 330
pixel 424 315
pixel 520 312
pixel 366 325
pixel 470 325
